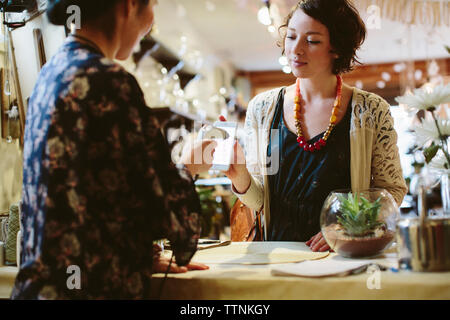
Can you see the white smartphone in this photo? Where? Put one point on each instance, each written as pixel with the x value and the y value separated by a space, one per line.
pixel 225 133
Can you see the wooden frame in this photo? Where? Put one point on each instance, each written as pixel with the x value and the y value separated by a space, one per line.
pixel 3 106
pixel 17 91
pixel 368 74
pixel 39 47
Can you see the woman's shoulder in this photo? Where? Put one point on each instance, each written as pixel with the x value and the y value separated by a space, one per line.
pixel 368 101
pixel 105 69
pixel 263 100
pixel 369 110
pixel 102 76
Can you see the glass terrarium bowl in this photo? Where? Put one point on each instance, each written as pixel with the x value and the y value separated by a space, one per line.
pixel 359 224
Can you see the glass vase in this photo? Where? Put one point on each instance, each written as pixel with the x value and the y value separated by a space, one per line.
pixel 359 224
pixel 445 194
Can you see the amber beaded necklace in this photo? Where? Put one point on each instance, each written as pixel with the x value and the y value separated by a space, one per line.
pixel 297 108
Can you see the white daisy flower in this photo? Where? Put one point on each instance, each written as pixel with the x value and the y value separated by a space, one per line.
pixel 424 98
pixel 427 131
pixel 439 163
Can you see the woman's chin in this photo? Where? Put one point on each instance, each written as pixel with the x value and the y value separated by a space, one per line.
pixel 123 55
pixel 301 74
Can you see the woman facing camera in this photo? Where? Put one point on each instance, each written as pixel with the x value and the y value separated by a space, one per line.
pixel 98 182
pixel 318 134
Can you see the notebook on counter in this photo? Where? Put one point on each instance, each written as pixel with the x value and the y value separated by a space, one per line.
pixel 335 265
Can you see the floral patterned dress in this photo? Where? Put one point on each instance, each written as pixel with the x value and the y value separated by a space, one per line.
pixel 98 184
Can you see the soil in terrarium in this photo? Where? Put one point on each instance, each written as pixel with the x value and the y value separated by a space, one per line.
pixel 350 246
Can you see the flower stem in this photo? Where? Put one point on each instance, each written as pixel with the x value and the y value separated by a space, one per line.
pixel 443 140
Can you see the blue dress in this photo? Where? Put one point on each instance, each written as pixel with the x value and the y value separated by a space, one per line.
pixel 304 179
pixel 98 184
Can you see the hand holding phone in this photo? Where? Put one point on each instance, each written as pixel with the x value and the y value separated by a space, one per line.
pixel 224 134
pixel 237 172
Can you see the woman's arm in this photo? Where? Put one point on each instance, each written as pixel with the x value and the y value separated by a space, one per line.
pixel 247 187
pixel 168 191
pixel 386 167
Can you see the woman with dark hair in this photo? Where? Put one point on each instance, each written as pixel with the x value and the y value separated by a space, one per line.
pixel 98 182
pixel 319 134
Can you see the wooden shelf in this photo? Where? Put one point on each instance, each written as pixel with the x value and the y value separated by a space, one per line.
pixel 188 116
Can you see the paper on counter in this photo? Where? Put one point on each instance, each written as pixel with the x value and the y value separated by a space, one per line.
pixel 334 265
pixel 254 253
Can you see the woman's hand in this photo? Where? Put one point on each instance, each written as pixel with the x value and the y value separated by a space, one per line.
pixel 198 156
pixel 160 263
pixel 238 173
pixel 318 243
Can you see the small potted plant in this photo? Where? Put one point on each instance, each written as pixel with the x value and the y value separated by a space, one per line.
pixel 359 224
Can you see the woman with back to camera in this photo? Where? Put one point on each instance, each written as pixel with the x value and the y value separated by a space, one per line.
pixel 99 185
pixel 330 135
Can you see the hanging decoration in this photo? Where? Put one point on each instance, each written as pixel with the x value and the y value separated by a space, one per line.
pixel 434 13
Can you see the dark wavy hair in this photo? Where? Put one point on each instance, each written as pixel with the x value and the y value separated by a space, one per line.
pixel 345 26
pixel 90 9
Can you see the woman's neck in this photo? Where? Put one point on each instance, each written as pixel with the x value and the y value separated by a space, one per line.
pixel 108 46
pixel 318 88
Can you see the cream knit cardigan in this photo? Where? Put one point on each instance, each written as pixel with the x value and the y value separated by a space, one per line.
pixel 374 157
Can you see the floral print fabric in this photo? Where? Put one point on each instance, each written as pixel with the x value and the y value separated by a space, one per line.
pixel 99 185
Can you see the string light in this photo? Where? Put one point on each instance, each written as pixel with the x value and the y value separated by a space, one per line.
pixel 283 60
pixel 386 76
pixel 381 84
pixel 287 69
pixel 264 14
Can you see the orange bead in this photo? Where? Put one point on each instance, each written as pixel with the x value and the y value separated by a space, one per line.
pixel 333 119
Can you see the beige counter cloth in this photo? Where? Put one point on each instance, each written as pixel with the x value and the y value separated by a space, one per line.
pixel 7 279
pixel 255 282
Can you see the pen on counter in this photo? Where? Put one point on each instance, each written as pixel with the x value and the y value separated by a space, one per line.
pixel 215 245
pixel 208 241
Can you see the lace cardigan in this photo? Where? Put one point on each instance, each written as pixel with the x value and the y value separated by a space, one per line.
pixel 375 160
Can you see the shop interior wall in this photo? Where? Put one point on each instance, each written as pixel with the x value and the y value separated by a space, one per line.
pixel 28 69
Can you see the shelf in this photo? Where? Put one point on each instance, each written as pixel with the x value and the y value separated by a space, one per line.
pixel 149 46
pixel 213 182
pixel 189 116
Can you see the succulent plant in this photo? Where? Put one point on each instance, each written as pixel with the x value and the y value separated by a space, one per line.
pixel 358 216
